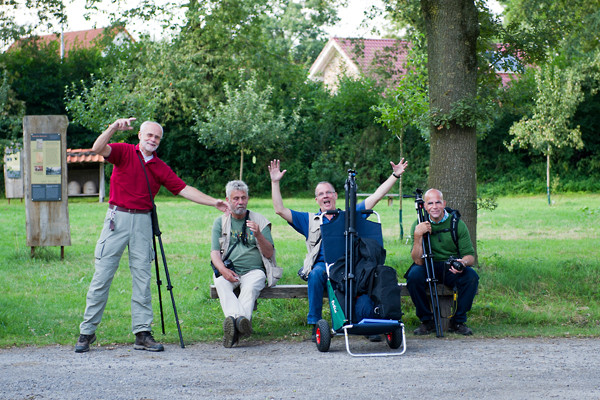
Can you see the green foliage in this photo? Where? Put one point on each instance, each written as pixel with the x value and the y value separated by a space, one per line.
pixel 104 101
pixel 558 95
pixel 245 121
pixel 11 115
pixel 407 104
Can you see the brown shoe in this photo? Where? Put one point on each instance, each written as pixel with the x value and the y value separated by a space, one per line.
pixel 425 328
pixel 145 341
pixel 244 326
pixel 83 343
pixel 460 328
pixel 230 333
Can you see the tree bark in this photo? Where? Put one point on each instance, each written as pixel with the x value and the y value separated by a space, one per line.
pixel 452 29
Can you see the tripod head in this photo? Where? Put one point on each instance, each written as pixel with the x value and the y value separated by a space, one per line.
pixel 420 205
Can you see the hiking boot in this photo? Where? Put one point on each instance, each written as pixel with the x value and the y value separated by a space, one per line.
pixel 145 341
pixel 243 326
pixel 83 343
pixel 374 338
pixel 425 328
pixel 314 334
pixel 460 328
pixel 230 333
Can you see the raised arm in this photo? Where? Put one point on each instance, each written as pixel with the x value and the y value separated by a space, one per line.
pixel 276 175
pixel 384 188
pixel 101 144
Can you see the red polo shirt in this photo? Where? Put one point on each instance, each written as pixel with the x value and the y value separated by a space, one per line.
pixel 128 186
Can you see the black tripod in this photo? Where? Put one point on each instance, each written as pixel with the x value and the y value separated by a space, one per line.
pixel 428 258
pixel 157 233
pixel 351 235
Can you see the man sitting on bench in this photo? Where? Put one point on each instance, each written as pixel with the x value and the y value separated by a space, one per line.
pixel 309 225
pixel 243 256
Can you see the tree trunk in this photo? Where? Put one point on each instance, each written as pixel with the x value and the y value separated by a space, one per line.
pixel 452 29
pixel 548 174
pixel 241 163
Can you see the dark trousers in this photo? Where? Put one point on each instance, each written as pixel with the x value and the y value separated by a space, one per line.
pixel 466 284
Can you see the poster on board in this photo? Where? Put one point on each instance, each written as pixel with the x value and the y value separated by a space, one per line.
pixel 46 173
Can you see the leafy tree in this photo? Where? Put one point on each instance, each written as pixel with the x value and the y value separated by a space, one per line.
pixel 549 129
pixel 245 121
pixel 106 100
pixel 11 115
pixel 406 106
pixel 49 14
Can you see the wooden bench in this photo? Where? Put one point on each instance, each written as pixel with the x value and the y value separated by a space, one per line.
pixel 390 196
pixel 445 295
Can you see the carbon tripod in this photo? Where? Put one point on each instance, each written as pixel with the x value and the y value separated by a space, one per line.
pixel 428 259
pixel 157 234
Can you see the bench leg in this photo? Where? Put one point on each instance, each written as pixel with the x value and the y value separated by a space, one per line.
pixel 445 311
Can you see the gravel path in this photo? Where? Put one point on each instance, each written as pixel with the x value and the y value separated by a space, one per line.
pixel 448 368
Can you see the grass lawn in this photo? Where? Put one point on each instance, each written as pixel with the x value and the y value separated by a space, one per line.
pixel 538 265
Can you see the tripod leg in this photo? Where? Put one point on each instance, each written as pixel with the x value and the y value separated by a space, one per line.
pixel 435 301
pixel 159 284
pixel 170 289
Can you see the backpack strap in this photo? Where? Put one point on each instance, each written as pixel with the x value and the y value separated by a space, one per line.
pixel 454 218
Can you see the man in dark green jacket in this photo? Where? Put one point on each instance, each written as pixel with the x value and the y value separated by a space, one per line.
pixel 464 278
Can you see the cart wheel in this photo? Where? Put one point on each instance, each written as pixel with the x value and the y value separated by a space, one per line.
pixel 323 336
pixel 394 338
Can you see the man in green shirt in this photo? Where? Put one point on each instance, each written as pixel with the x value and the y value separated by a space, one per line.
pixel 443 246
pixel 243 238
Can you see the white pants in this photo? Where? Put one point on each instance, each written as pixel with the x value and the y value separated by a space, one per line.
pixel 251 283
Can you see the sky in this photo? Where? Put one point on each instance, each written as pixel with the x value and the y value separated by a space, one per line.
pixel 349 25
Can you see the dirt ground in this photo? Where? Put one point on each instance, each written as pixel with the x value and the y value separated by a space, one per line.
pixel 449 367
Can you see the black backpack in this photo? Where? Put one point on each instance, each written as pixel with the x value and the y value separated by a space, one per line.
pixel 385 293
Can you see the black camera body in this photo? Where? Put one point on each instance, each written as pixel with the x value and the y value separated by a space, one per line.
pixel 453 262
pixel 302 275
pixel 228 264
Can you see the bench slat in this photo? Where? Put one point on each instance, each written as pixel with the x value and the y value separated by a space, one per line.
pixel 301 291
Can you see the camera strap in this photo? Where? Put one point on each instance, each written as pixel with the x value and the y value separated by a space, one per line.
pixel 242 239
pixel 154 215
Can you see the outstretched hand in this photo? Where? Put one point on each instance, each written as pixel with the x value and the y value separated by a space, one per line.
pixel 275 172
pixel 123 124
pixel 223 206
pixel 399 168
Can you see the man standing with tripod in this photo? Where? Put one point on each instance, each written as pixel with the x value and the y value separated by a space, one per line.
pixel 455 272
pixel 137 176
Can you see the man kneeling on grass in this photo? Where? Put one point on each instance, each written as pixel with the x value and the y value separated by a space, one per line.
pixel 243 256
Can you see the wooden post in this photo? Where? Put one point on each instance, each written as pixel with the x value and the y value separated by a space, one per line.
pixel 45 181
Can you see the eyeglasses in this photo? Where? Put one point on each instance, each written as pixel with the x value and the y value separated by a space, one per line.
pixel 327 193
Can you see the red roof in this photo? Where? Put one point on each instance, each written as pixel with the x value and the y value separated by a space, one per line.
pixel 83 156
pixel 73 40
pixel 365 52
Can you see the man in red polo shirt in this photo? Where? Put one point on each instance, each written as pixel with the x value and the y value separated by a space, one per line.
pixel 128 224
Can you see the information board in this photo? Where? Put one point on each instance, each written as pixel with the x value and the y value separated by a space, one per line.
pixel 46 171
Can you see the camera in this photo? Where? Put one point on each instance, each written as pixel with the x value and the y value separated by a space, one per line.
pixel 301 274
pixel 228 264
pixel 453 262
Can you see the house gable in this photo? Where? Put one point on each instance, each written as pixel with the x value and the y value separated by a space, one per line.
pixel 356 57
